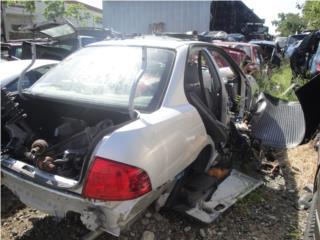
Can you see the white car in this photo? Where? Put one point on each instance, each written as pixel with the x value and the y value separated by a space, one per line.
pixel 11 70
pixel 121 124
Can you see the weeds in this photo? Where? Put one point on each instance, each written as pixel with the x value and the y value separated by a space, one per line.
pixel 294 235
pixel 281 84
pixel 258 196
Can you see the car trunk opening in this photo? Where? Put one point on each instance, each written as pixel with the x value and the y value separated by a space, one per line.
pixel 56 137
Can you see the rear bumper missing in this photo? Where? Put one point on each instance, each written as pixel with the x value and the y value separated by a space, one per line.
pixel 111 217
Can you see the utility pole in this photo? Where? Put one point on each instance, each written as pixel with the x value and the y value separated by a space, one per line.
pixel 4 36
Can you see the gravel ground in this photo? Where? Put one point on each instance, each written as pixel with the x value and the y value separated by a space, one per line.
pixel 270 212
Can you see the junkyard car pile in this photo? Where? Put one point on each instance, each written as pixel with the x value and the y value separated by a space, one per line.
pixel 253 62
pixel 53 40
pixel 159 120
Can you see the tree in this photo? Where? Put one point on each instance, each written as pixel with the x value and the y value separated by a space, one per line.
pixel 97 20
pixel 78 12
pixel 54 9
pixel 311 14
pixel 29 6
pixel 289 23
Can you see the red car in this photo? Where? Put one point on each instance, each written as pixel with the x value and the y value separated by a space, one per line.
pixel 239 56
pixel 253 63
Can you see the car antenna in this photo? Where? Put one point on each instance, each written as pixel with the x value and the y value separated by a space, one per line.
pixel 135 83
pixel 34 56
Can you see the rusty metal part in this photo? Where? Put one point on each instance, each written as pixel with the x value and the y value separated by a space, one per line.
pixel 39 147
pixel 46 164
pixel 219 173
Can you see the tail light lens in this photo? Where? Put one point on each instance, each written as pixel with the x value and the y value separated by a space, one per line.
pixel 113 181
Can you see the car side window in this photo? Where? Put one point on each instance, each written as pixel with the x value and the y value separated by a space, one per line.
pixel 201 71
pixel 192 79
pixel 29 79
pixel 13 86
pixel 207 75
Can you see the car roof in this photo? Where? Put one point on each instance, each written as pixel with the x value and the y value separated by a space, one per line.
pixel 300 34
pixel 223 43
pixel 263 42
pixel 148 41
pixel 12 69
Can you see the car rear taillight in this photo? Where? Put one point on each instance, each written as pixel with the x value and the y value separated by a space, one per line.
pixel 318 67
pixel 113 181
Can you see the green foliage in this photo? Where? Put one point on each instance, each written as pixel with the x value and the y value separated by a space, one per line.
pixel 295 235
pixel 311 14
pixel 54 9
pixel 78 12
pixel 289 23
pixel 97 19
pixel 281 83
pixel 28 5
pixel 244 205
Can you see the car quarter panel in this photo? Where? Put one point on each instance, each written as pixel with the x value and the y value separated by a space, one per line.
pixel 162 143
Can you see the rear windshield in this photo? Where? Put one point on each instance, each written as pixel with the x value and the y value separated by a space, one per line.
pixel 104 75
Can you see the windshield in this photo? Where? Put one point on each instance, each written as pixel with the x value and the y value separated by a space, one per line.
pixel 59 31
pixel 104 75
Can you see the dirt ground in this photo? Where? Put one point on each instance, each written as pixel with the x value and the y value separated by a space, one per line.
pixel 270 212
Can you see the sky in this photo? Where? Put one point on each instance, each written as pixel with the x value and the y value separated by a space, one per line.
pixel 269 9
pixel 265 9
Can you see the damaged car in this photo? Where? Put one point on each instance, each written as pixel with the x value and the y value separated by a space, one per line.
pixel 122 124
pixel 53 40
pixel 253 63
pixel 271 52
pixel 304 60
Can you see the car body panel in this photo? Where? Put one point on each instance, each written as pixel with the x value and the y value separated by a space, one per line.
pixel 108 216
pixel 148 142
